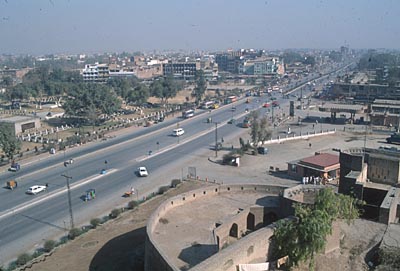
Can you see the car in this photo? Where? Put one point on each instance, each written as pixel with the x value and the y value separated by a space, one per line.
pixel 178 132
pixel 142 172
pixel 266 105
pixel 33 190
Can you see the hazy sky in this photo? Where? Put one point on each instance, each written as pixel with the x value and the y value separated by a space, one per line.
pixel 88 26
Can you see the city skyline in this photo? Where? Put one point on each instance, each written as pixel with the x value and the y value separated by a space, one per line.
pixel 70 26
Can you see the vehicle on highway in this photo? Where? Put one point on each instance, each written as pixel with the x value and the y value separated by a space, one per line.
pixel 394 138
pixel 208 105
pixel 142 172
pixel 14 167
pixel 33 190
pixel 90 194
pixel 178 132
pixel 188 113
pixel 68 162
pixel 266 105
pixel 12 184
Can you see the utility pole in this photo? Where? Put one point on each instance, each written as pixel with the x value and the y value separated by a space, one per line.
pixel 216 139
pixel 71 216
pixel 67 178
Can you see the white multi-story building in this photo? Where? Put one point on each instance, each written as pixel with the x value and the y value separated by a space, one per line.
pixel 95 73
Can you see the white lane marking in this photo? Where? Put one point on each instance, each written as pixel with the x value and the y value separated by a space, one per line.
pixel 53 194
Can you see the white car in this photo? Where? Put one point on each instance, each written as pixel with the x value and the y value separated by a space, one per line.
pixel 178 132
pixel 33 190
pixel 142 171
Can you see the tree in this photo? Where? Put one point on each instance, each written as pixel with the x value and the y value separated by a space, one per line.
pixel 305 236
pixel 90 100
pixel 8 142
pixel 164 89
pixel 260 130
pixel 201 86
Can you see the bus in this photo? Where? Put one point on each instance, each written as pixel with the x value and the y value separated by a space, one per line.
pixel 188 113
pixel 207 105
pixel 230 99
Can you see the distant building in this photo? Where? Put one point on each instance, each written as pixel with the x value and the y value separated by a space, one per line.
pixel 365 92
pixel 102 72
pixel 181 70
pixel 385 112
pixel 95 73
pixel 262 66
pixel 229 62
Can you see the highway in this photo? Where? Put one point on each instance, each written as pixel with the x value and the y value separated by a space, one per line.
pixel 26 221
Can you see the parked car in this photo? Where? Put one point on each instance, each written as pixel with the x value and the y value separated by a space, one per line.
pixel 262 150
pixel 142 172
pixel 33 190
pixel 178 132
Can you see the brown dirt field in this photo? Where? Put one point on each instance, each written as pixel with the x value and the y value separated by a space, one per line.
pixel 116 245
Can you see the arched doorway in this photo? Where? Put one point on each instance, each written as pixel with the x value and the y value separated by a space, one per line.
pixel 269 218
pixel 233 232
pixel 251 222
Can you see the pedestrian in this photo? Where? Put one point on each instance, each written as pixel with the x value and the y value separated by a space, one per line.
pixel 309 145
pixel 47 185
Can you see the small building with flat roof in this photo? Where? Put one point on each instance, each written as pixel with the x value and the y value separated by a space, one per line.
pixel 323 165
pixel 19 124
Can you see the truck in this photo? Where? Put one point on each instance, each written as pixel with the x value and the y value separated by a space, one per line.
pixel 394 138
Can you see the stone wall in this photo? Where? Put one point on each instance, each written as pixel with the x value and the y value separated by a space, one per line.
pixel 155 260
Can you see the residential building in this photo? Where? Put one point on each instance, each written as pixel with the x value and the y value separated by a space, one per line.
pixel 181 70
pixel 95 73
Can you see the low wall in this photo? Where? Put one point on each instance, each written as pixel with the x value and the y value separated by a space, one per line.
pixel 308 135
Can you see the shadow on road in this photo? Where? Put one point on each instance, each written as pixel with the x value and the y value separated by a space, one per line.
pixel 43 222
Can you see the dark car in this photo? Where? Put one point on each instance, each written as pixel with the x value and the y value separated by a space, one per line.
pixel 262 150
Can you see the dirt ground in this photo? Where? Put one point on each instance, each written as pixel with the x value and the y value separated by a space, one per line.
pixel 115 245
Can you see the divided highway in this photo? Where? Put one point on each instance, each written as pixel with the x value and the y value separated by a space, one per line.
pixel 21 229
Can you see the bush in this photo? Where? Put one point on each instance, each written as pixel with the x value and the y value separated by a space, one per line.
pixel 132 204
pixel 49 245
pixel 95 222
pixel 62 241
pixel 37 253
pixel 73 233
pixel 175 183
pixel 115 213
pixel 163 189
pixel 23 259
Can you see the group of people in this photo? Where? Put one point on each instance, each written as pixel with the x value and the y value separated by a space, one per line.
pixel 313 180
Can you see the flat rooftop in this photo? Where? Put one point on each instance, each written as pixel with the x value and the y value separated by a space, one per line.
pixel 16 119
pixel 185 234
